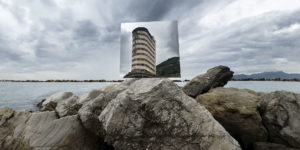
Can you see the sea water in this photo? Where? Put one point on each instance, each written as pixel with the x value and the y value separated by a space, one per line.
pixel 25 95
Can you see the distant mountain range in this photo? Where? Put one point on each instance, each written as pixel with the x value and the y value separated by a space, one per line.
pixel 268 75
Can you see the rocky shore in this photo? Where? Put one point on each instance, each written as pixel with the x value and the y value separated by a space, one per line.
pixel 157 114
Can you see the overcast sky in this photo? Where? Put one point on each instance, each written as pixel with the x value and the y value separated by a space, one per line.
pixel 72 39
pixel 165 34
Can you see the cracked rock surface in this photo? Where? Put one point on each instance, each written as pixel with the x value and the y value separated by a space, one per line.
pixel 136 114
pixel 154 114
pixel 236 110
pixel 64 103
pixel 24 130
pixel 280 112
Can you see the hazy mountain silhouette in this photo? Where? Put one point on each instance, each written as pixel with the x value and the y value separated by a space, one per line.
pixel 268 75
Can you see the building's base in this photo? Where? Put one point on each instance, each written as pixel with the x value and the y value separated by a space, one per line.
pixel 139 75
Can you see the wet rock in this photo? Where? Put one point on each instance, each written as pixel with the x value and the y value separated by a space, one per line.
pixel 156 114
pixel 236 111
pixel 214 77
pixel 280 113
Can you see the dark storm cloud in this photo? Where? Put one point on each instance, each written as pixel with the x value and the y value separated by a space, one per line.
pixel 87 30
pixel 76 39
pixel 145 10
pixel 254 47
pixel 63 23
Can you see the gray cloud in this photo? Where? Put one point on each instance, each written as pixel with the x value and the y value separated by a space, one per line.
pixel 86 30
pixel 81 40
pixel 253 44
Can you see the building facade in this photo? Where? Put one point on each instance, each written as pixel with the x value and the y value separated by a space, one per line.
pixel 143 52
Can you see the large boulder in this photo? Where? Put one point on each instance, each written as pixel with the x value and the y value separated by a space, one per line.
pixel 64 103
pixel 43 130
pixel 154 114
pixel 236 110
pixel 280 112
pixel 214 77
pixel 271 146
pixel 50 103
pixel 11 128
pixel 95 102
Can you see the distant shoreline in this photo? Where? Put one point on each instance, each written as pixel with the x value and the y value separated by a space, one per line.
pixel 248 79
pixel 263 79
pixel 61 80
pixel 75 80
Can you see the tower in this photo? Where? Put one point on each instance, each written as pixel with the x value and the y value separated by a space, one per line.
pixel 143 52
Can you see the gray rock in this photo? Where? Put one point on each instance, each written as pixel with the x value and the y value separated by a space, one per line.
pixel 40 104
pixel 51 102
pixel 280 112
pixel 93 105
pixel 11 130
pixel 214 77
pixel 64 103
pixel 68 107
pixel 89 96
pixel 271 146
pixel 155 114
pixel 43 130
pixel 5 114
pixel 236 110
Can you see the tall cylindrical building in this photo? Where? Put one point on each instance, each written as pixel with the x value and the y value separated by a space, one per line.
pixel 143 52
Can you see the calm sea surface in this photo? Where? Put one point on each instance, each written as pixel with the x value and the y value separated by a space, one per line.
pixel 266 86
pixel 25 95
